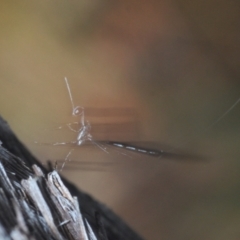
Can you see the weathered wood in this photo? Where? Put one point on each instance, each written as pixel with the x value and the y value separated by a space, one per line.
pixel 114 227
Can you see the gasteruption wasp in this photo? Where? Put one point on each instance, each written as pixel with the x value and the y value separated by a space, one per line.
pixel 82 128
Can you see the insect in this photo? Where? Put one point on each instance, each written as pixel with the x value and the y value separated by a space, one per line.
pixel 82 129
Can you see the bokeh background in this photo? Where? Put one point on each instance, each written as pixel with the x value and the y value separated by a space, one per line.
pixel 166 71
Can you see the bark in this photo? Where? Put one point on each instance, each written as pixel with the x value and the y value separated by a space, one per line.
pixel 101 219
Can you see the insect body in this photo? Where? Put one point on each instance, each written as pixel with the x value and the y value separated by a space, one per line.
pixel 84 136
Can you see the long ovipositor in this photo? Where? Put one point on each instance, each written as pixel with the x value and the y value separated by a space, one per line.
pixel 151 152
pixel 158 153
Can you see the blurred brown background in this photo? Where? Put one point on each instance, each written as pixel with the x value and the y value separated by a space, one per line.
pixel 175 64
